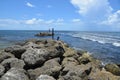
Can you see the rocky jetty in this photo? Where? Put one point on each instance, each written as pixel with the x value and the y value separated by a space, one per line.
pixel 52 60
pixel 42 34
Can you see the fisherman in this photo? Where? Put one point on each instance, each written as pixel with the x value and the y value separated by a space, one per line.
pixel 58 38
pixel 52 33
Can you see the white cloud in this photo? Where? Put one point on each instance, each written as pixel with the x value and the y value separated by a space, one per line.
pixel 76 20
pixel 29 4
pixel 113 19
pixel 49 21
pixel 59 20
pixel 9 21
pixel 92 9
pixel 31 21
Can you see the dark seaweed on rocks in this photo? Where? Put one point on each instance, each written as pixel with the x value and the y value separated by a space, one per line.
pixel 52 60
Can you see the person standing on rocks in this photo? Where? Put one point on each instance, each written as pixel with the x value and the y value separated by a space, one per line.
pixel 58 38
pixel 53 33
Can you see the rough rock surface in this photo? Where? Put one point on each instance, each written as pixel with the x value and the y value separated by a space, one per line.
pixel 13 62
pixel 2 70
pixel 17 50
pixel 52 60
pixel 50 67
pixel 5 55
pixel 34 57
pixel 45 77
pixel 113 68
pixel 15 74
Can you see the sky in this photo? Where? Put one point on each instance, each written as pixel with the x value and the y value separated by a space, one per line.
pixel 78 15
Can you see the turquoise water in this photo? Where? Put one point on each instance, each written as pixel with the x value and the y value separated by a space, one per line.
pixel 102 45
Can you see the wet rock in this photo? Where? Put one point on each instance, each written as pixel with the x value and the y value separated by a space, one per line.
pixel 5 55
pixel 2 70
pixel 13 62
pixel 17 50
pixel 51 68
pixel 15 74
pixel 113 68
pixel 45 77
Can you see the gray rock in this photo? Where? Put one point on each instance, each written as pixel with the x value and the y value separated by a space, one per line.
pixel 17 50
pixel 15 74
pixel 45 77
pixel 78 72
pixel 2 70
pixel 51 67
pixel 4 55
pixel 34 57
pixel 32 45
pixel 13 62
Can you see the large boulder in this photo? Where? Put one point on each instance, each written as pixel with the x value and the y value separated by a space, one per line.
pixel 78 72
pixel 17 50
pixel 113 68
pixel 34 57
pixel 2 70
pixel 15 74
pixel 45 77
pixel 5 55
pixel 102 75
pixel 50 67
pixel 13 62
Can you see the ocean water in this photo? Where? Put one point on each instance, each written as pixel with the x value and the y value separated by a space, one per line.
pixel 104 46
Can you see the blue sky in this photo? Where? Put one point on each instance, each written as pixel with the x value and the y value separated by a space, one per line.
pixel 80 15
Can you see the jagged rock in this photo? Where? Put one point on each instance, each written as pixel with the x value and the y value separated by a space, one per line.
pixel 83 60
pixel 102 75
pixel 45 77
pixel 13 62
pixel 5 55
pixel 69 60
pixel 70 52
pixel 17 50
pixel 113 68
pixel 15 74
pixel 33 57
pixel 2 70
pixel 78 72
pixel 32 45
pixel 50 67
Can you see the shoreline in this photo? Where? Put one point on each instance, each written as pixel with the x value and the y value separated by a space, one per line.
pixel 55 60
